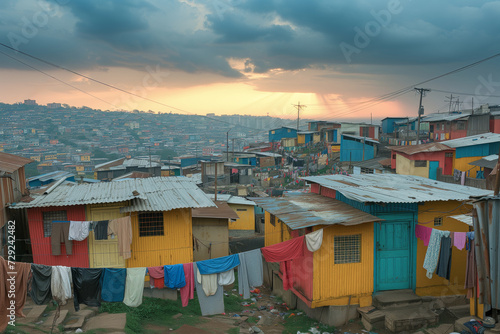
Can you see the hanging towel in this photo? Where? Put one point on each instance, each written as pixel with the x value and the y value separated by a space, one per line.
pixel 314 240
pixel 40 285
pixel 78 231
pixel 208 283
pixel 60 233
pixel 134 286
pixel 250 272
pixel 459 241
pixel 122 227
pixel 187 291
pixel 423 233
pixel 444 261
pixel 284 251
pixel 60 284
pixel 226 277
pixel 17 274
pixel 156 277
pixel 174 276
pixel 462 179
pixel 101 230
pixel 431 257
pixel 218 265
pixel 86 286
pixel 113 284
pixel 213 304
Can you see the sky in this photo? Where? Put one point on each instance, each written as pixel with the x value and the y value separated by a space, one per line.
pixel 254 57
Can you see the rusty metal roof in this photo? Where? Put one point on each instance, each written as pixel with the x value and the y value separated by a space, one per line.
pixel 304 210
pixel 422 148
pixel 395 188
pixel 10 163
pixel 222 210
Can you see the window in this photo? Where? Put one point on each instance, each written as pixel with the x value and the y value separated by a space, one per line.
pixel 241 209
pixel 448 154
pixel 460 125
pixel 394 156
pixel 420 163
pixel 49 217
pixel 347 249
pixel 365 132
pixel 442 126
pixel 273 220
pixel 150 224
pixel 438 221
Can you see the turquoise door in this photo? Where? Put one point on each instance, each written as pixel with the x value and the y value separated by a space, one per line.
pixel 433 166
pixel 393 253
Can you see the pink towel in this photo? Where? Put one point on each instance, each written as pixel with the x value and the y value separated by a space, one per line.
pixel 460 238
pixel 156 276
pixel 187 291
pixel 423 233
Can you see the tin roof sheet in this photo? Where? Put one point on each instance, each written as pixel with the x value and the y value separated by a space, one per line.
pixel 375 163
pixel 304 210
pixel 10 163
pixel 466 219
pixel 361 138
pixel 422 148
pixel 230 199
pixel 222 210
pixel 395 188
pixel 444 117
pixel 149 194
pixel 489 162
pixel 484 138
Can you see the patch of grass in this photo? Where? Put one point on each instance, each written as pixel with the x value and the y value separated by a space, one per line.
pixel 302 323
pixel 232 304
pixel 252 320
pixel 234 330
pixel 51 306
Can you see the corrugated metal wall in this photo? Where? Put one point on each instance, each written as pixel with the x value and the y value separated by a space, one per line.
pixel 247 217
pixel 478 124
pixel 41 247
pixel 175 246
pixel 6 196
pixel 352 150
pixel 327 192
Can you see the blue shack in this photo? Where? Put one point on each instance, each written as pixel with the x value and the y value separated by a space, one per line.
pixel 356 148
pixel 388 123
pixel 275 135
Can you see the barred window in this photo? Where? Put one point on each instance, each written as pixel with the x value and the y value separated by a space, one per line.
pixel 273 219
pixel 420 163
pixel 150 224
pixel 49 217
pixel 347 249
pixel 438 221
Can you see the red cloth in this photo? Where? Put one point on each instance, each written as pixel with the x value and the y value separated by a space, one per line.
pixel 423 233
pixel 285 252
pixel 156 276
pixel 187 291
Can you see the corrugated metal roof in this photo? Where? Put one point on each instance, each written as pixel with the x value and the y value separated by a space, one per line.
pixel 444 117
pixel 361 138
pixel 10 163
pixel 150 194
pixel 305 210
pixel 395 188
pixel 51 176
pixel 231 199
pixel 374 163
pixel 484 138
pixel 222 210
pixel 489 162
pixel 422 148
pixel 466 219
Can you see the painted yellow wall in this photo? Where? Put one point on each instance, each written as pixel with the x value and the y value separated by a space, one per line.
pixel 463 165
pixel 211 238
pixel 405 166
pixel 276 233
pixel 316 138
pixel 247 217
pixel 301 139
pixel 334 283
pixel 438 286
pixel 175 246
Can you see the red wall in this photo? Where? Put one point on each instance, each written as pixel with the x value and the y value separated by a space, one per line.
pixel 327 192
pixel 315 188
pixel 42 250
pixel 495 125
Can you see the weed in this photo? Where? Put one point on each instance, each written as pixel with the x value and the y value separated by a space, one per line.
pixel 232 304
pixel 303 323
pixel 252 320
pixel 234 330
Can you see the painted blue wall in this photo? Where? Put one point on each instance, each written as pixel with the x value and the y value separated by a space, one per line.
pixel 352 150
pixel 388 124
pixel 308 138
pixel 282 133
pixel 481 150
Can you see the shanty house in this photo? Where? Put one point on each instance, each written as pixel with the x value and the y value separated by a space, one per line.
pixel 275 135
pixel 160 211
pixel 356 148
pixel 245 209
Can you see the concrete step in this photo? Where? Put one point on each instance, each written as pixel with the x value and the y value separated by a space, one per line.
pixel 371 318
pixel 409 318
pixel 395 299
pixel 459 311
pixel 78 319
pixel 47 323
pixel 107 321
pixel 33 314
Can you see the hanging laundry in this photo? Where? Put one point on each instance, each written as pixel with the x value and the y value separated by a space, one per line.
pixel 423 233
pixel 156 277
pixel 226 277
pixel 250 272
pixel 209 305
pixel 444 261
pixel 457 174
pixel 78 231
pixel 60 233
pixel 122 228
pixel 60 284
pixel 86 286
pixel 187 291
pixel 470 271
pixel 113 284
pixel 101 230
pixel 459 239
pixel 17 274
pixel 208 283
pixel 134 286
pixel 431 257
pixel 314 240
pixel 218 265
pixel 40 285
pixel 462 178
pixel 174 276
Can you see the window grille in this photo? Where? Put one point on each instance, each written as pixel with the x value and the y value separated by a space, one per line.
pixel 347 249
pixel 420 163
pixel 50 216
pixel 448 155
pixel 150 224
pixel 438 221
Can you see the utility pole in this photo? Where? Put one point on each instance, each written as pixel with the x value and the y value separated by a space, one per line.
pixel 233 146
pixel 472 105
pixel 298 106
pixel 451 101
pixel 422 92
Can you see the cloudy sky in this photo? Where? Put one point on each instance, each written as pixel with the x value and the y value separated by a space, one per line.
pixel 254 57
